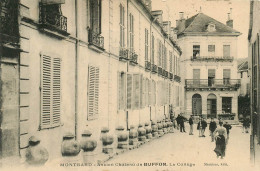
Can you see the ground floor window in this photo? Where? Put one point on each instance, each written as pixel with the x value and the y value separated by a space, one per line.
pixel 227 104
pixel 212 105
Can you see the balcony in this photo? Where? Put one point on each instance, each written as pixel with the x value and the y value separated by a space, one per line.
pixel 96 41
pixel 170 76
pixel 133 58
pixel 51 19
pixel 123 54
pixel 212 58
pixel 160 71
pixel 166 74
pixel 154 68
pixel 147 66
pixel 9 31
pixel 177 78
pixel 212 84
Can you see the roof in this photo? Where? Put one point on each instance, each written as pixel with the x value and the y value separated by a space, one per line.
pixel 242 64
pixel 199 22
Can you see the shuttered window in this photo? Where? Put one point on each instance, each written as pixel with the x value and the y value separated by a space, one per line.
pixel 50 92
pixel 93 92
pixel 121 90
pixel 136 88
pixel 146 44
pixel 122 26
pixel 129 91
pixel 131 32
pixel 152 56
pixel 95 16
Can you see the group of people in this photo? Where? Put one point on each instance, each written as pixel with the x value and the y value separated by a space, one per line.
pixel 219 134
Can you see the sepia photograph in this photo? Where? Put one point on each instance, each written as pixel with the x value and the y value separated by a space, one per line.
pixel 132 85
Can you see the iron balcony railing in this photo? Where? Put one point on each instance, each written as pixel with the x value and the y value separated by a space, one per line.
pixel 148 65
pixel 160 71
pixel 9 21
pixel 170 76
pixel 177 78
pixel 52 19
pixel 133 58
pixel 212 83
pixel 123 54
pixel 213 58
pixel 95 39
pixel 154 68
pixel 166 74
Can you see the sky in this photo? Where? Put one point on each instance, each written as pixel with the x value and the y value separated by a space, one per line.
pixel 216 9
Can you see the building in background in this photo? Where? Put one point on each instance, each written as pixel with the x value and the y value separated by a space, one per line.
pixel 67 66
pixel 254 68
pixel 209 58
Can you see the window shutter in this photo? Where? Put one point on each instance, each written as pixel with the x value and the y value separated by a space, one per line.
pixel 129 91
pixel 56 93
pixel 226 50
pixel 46 91
pixel 136 91
pixel 96 92
pixel 141 91
pixel 91 92
pixel 211 73
pixel 149 92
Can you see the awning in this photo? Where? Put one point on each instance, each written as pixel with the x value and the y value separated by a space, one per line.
pixel 49 2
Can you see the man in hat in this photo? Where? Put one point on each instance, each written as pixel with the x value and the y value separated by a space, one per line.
pixel 191 125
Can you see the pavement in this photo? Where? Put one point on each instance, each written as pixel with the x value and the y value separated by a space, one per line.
pixel 181 151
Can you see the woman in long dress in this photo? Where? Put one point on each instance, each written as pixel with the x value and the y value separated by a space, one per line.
pixel 220 135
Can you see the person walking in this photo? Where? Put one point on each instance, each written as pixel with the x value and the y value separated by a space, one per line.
pixel 220 135
pixel 182 126
pixel 228 127
pixel 212 128
pixel 199 127
pixel 191 125
pixel 203 127
pixel 178 121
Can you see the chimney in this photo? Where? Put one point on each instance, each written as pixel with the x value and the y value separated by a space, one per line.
pixel 158 15
pixel 230 20
pixel 180 24
pixel 173 33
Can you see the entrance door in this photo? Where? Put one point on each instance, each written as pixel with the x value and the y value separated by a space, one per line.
pixel 9 125
pixel 196 104
pixel 212 105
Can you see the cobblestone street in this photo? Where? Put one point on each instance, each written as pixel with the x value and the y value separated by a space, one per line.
pixel 180 149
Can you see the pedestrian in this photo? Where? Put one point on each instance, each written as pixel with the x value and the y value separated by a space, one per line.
pixel 182 126
pixel 191 125
pixel 178 121
pixel 203 127
pixel 199 127
pixel 212 128
pixel 220 135
pixel 247 124
pixel 244 124
pixel 228 127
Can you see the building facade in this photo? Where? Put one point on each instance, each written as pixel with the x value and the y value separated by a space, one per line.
pixel 244 76
pixel 209 56
pixel 67 66
pixel 254 58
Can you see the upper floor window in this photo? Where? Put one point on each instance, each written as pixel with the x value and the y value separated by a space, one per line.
pixel 95 16
pixel 159 53
pixel 122 26
pixel 211 50
pixel 131 32
pixel 146 44
pixel 211 27
pixel 152 56
pixel 170 60
pixel 196 51
pixel 226 50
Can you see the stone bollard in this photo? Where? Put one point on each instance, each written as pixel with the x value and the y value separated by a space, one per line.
pixel 36 155
pixel 122 138
pixel 133 134
pixel 154 130
pixel 107 141
pixel 70 148
pixel 165 129
pixel 88 145
pixel 148 130
pixel 160 128
pixel 141 133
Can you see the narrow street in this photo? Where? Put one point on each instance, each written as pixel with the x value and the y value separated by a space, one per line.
pixel 179 149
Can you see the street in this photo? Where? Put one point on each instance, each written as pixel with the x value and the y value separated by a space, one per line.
pixel 181 151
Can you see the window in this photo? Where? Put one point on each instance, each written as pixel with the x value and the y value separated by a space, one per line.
pixel 226 76
pixel 131 32
pixel 146 45
pixel 211 27
pixel 196 51
pixel 165 58
pixel 159 53
pixel 170 60
pixel 135 91
pixel 50 92
pixel 211 77
pixel 121 90
pixel 129 91
pixel 211 50
pixel 227 105
pixel 93 92
pixel 122 26
pixel 152 60
pixel 95 16
pixel 226 50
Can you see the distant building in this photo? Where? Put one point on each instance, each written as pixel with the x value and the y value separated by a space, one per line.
pixel 209 58
pixel 254 63
pixel 244 77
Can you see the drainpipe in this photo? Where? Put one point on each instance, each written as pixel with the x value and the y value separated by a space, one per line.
pixel 127 126
pixel 76 69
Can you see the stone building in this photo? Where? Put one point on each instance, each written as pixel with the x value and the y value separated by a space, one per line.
pixel 254 68
pixel 72 65
pixel 209 58
pixel 244 76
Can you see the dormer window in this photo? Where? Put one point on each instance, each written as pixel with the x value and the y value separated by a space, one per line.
pixel 211 27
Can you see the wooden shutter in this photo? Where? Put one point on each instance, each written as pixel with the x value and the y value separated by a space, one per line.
pixel 136 89
pixel 141 91
pixel 56 93
pixel 93 92
pixel 129 91
pixel 226 50
pixel 121 90
pixel 149 92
